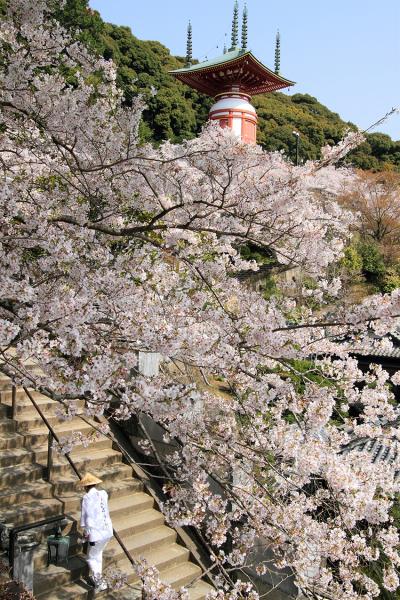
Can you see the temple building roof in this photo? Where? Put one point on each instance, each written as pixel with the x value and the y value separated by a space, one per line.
pixel 234 68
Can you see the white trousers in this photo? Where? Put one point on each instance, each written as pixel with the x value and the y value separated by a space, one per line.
pixel 94 557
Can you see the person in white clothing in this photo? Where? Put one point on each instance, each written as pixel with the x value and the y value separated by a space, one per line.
pixel 97 526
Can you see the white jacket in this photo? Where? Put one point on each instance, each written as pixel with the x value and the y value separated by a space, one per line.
pixel 95 517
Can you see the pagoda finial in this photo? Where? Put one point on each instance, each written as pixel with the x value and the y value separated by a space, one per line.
pixel 189 46
pixel 235 27
pixel 244 27
pixel 278 53
pixel 225 46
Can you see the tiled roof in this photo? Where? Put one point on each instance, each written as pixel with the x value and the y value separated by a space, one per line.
pixel 379 451
pixel 235 68
pixel 394 352
pixel 219 60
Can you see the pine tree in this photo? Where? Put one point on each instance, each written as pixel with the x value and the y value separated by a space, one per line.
pixel 189 46
pixel 235 26
pixel 245 27
pixel 278 53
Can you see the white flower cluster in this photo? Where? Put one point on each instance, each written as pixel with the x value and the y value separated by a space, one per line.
pixel 109 247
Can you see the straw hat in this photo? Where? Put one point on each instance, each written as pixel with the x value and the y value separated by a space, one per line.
pixel 89 479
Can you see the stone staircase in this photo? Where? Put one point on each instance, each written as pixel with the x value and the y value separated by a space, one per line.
pixel 25 497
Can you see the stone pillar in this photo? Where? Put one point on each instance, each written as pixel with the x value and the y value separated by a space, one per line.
pixel 148 363
pixel 23 560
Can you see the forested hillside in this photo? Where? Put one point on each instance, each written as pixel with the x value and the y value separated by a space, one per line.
pixel 177 112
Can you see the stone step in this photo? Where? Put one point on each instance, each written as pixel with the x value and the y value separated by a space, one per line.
pixel 79 590
pixel 172 564
pixel 5 383
pixel 129 592
pixel 66 483
pixel 48 579
pixel 25 498
pixel 200 590
pixel 132 530
pixel 130 503
pixel 6 395
pixel 97 459
pixel 15 456
pixel 143 542
pixel 37 436
pixel 138 523
pixel 11 440
pixel 22 398
pixel 100 444
pixel 165 555
pixel 32 420
pixel 146 519
pixel 24 493
pixel 181 575
pixel 25 408
pixel 31 512
pixel 4 412
pixel 165 558
pixel 116 480
pixel 30 368
pixel 54 577
pixel 18 475
pixel 7 426
pixel 126 504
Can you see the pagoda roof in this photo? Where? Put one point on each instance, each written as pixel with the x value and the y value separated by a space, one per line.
pixel 236 67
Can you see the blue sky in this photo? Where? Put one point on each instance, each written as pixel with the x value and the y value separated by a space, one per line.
pixel 344 52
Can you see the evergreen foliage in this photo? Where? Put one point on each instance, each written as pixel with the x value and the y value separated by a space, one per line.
pixel 365 258
pixel 372 260
pixel 177 112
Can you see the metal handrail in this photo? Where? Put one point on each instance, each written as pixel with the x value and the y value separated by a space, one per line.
pixel 14 531
pixel 71 462
pixel 13 401
pixel 52 435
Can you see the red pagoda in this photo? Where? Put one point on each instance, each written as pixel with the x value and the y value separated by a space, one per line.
pixel 232 79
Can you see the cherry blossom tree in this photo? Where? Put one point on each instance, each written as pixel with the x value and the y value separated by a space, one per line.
pixel 109 247
pixel 376 200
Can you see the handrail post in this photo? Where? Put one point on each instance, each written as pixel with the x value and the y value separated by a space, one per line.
pixel 13 401
pixel 49 456
pixel 11 551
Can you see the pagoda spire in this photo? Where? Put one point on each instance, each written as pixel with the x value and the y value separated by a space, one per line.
pixel 278 53
pixel 232 79
pixel 245 27
pixel 235 27
pixel 189 46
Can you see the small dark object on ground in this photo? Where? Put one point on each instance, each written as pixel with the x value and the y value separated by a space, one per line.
pixel 11 590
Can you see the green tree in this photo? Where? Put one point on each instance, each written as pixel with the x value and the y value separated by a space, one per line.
pixel 178 112
pixel 373 265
